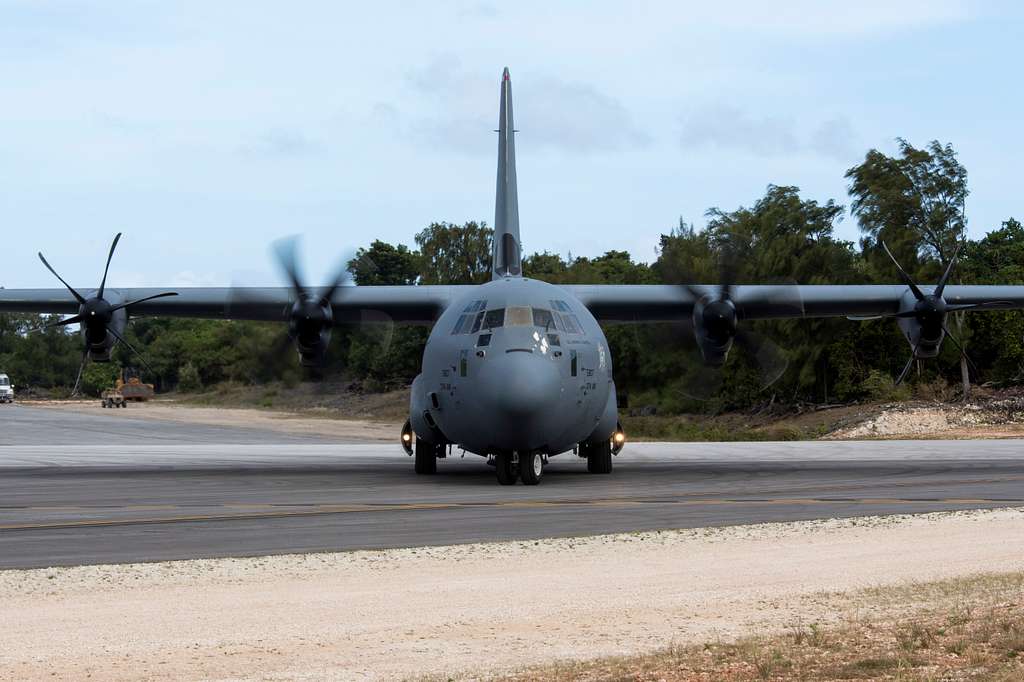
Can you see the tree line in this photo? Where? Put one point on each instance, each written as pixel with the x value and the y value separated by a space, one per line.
pixel 913 201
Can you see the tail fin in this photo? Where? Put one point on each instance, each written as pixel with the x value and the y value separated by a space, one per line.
pixel 505 261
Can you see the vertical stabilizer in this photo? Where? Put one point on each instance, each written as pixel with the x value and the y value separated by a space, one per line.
pixel 505 261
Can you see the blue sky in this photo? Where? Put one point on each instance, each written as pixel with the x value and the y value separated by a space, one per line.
pixel 205 130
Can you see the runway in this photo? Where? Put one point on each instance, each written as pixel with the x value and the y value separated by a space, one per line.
pixel 198 491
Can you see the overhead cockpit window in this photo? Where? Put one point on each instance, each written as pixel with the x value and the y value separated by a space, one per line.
pixel 561 306
pixel 518 316
pixel 475 306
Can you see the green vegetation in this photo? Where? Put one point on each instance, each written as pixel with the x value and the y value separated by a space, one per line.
pixel 913 201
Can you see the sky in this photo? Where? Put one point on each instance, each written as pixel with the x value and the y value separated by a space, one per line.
pixel 206 130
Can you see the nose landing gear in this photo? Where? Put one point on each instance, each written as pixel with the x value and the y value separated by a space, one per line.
pixel 528 467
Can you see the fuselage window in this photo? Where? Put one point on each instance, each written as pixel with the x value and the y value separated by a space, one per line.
pixel 518 316
pixel 494 318
pixel 573 363
pixel 553 340
pixel 483 340
pixel 463 363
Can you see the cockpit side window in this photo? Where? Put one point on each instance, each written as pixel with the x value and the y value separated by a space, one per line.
pixel 571 323
pixel 494 318
pixel 544 318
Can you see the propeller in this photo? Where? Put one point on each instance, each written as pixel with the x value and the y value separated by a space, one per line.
pixel 716 324
pixel 928 315
pixel 96 315
pixel 311 313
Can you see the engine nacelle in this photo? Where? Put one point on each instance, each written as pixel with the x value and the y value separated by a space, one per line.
pixel 714 325
pixel 925 330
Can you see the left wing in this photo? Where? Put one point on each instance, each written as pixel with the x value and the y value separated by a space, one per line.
pixel 406 304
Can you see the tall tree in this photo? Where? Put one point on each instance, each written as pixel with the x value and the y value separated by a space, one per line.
pixel 913 201
pixel 455 254
pixel 384 263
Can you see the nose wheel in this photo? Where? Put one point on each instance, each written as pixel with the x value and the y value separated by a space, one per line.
pixel 506 467
pixel 531 468
pixel 528 467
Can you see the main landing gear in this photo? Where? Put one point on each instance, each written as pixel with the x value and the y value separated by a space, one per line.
pixel 599 456
pixel 528 467
pixel 426 456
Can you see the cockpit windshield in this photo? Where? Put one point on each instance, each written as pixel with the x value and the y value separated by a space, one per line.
pixel 475 319
pixel 4 381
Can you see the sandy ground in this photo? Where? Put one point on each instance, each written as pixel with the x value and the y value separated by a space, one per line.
pixel 988 419
pixel 477 608
pixel 281 421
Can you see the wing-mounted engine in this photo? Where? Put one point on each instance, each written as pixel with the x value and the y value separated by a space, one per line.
pixel 717 317
pixel 311 316
pixel 922 316
pixel 102 316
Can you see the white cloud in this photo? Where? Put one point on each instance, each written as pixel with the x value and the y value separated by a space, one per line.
pixel 728 127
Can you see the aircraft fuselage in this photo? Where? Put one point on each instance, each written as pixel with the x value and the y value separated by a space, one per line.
pixel 518 365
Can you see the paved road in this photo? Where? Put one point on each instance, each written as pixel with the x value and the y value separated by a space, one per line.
pixel 210 491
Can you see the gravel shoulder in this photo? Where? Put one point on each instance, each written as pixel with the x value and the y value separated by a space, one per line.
pixel 475 608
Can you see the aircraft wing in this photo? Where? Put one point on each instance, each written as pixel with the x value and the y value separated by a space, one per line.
pixel 657 302
pixel 408 304
pixel 607 302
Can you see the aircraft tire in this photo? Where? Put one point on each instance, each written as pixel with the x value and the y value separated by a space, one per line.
pixel 599 458
pixel 426 458
pixel 505 469
pixel 531 468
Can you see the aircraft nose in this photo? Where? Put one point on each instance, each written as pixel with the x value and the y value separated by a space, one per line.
pixel 522 386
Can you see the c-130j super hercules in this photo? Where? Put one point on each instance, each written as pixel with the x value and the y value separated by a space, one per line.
pixel 516 370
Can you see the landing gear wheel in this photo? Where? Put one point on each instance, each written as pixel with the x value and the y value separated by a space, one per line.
pixel 531 467
pixel 599 458
pixel 505 469
pixel 426 457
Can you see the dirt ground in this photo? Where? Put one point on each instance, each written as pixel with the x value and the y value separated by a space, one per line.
pixel 273 420
pixel 474 609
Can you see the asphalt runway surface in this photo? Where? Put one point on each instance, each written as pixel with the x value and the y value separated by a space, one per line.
pixel 88 489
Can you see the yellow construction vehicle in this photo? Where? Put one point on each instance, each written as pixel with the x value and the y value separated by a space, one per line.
pixel 130 385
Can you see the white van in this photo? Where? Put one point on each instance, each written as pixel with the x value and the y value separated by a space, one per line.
pixel 6 390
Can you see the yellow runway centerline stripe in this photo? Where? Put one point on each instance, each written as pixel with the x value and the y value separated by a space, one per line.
pixel 267 511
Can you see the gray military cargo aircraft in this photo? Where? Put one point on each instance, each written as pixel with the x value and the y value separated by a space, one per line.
pixel 515 370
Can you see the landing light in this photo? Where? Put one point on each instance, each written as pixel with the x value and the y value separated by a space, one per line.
pixel 618 440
